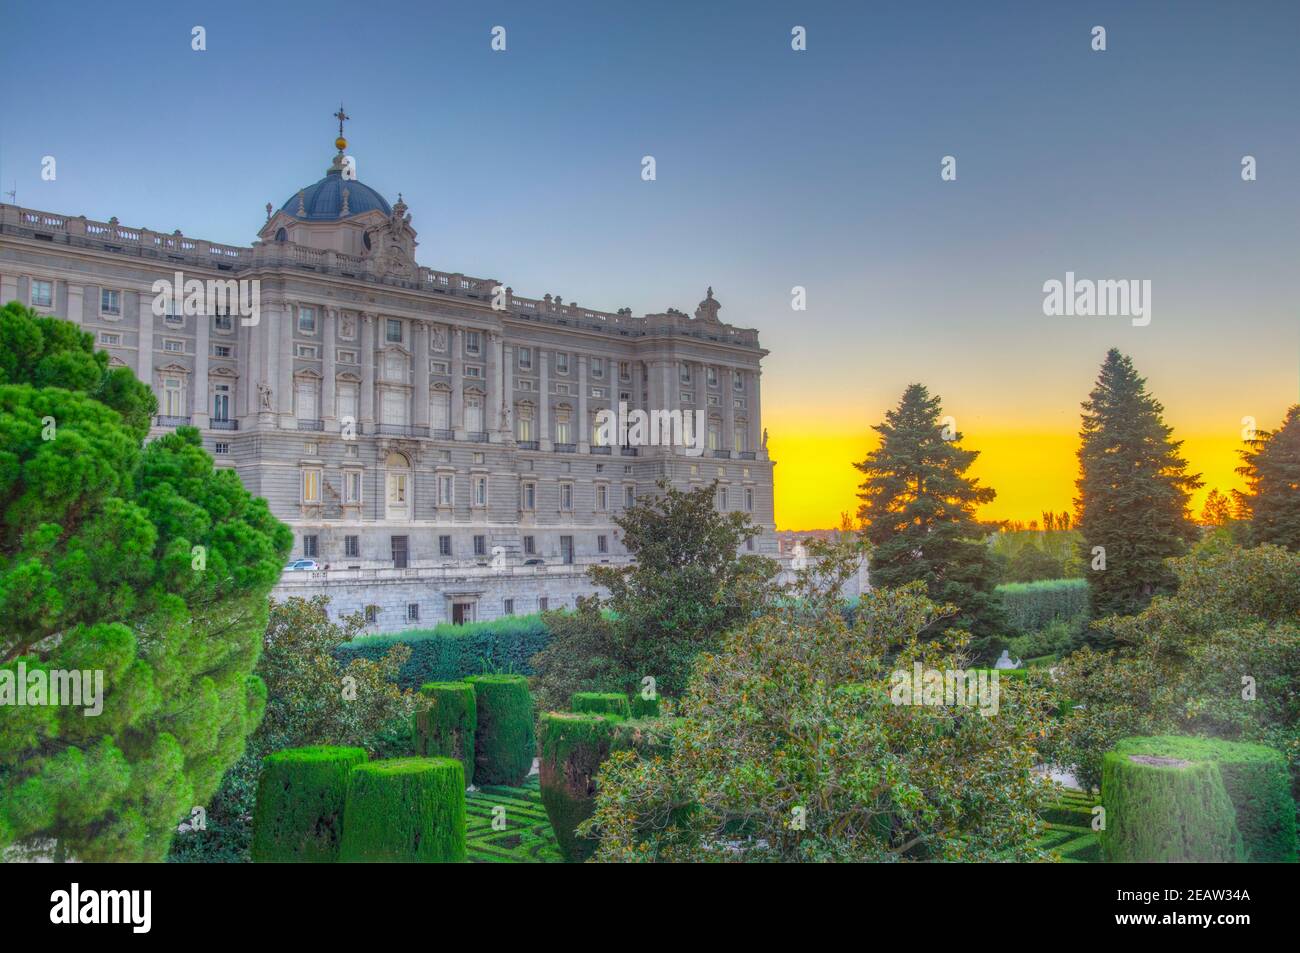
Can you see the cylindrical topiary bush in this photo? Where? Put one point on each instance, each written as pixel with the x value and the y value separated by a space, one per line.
pixel 405 810
pixel 643 707
pixel 573 745
pixel 1166 810
pixel 1257 781
pixel 443 726
pixel 601 703
pixel 504 742
pixel 301 795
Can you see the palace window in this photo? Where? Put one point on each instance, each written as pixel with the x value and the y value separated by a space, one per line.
pixel 42 294
pixel 563 431
pixel 528 496
pixel 624 371
pixel 602 496
pixel 346 400
pixel 722 497
pixel 602 543
pixel 444 545
pixel 307 320
pixel 749 499
pixel 480 545
pixel 685 373
pixel 525 358
pixel 446 489
pixel 173 397
pixel 174 345
pixel 566 497
pixel 352 547
pixel 598 368
pixel 524 421
pixel 393 331
pixel 110 302
pixel 221 402
pixel 440 410
pixel 109 340
pixel 629 497
pixel 352 486
pixel 712 376
pixel 473 342
pixel 480 491
pixel 561 362
pixel 530 545
pixel 311 486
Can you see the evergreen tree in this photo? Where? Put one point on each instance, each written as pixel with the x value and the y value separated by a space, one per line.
pixel 918 513
pixel 1216 511
pixel 136 563
pixel 1272 471
pixel 1134 493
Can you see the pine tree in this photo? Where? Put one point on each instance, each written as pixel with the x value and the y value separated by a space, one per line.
pixel 1216 511
pixel 1134 492
pixel 918 513
pixel 1272 471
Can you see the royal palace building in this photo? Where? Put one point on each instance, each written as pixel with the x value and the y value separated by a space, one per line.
pixel 436 442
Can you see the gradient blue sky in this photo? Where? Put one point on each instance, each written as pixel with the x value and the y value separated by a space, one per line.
pixel 775 169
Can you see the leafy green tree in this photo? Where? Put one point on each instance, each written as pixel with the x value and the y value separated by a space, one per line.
pixel 140 562
pixel 1134 492
pixel 1220 656
pixel 918 511
pixel 310 700
pixel 792 745
pixel 1030 563
pixel 690 581
pixel 1271 466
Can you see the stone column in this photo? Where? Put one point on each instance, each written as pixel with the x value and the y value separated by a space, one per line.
pixel 420 330
pixel 284 365
pixel 638 386
pixel 508 391
pixel 492 412
pixel 584 424
pixel 144 356
pixel 264 332
pixel 369 326
pixel 728 411
pixel 329 371
pixel 202 412
pixel 250 351
pixel 455 341
pixel 544 402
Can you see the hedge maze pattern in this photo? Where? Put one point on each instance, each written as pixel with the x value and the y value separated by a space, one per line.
pixel 527 839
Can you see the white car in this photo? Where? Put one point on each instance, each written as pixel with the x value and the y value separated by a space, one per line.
pixel 301 564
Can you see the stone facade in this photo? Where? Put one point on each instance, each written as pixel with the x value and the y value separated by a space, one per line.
pixel 431 437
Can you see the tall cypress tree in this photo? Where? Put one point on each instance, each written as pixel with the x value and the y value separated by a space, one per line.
pixel 1134 492
pixel 918 512
pixel 1272 471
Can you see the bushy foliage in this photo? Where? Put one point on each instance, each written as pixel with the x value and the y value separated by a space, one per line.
pixel 310 700
pixel 571 748
pixel 1161 812
pixel 789 747
pixel 689 583
pixel 1032 606
pixel 1257 783
pixel 405 810
pixel 142 562
pixel 300 799
pixel 918 512
pixel 1134 491
pixel 505 741
pixel 450 652
pixel 1220 657
pixel 1057 638
pixel 445 722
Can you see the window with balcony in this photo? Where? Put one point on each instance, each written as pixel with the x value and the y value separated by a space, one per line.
pixel 311 486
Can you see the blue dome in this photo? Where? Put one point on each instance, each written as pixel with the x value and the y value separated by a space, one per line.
pixel 323 201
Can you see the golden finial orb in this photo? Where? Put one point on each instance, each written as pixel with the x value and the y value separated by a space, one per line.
pixel 340 143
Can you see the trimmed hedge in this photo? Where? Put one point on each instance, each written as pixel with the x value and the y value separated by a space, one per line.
pixel 573 746
pixel 645 707
pixel 601 703
pixel 447 653
pixel 1031 606
pixel 504 742
pixel 1166 810
pixel 649 738
pixel 1256 779
pixel 301 795
pixel 405 810
pixel 445 728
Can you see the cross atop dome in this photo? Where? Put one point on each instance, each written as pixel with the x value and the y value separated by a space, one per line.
pixel 341 143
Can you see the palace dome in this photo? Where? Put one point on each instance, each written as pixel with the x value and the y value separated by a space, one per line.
pixel 323 201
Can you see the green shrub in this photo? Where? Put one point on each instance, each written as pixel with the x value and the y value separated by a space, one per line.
pixel 447 653
pixel 445 723
pixel 300 799
pixel 407 810
pixel 601 703
pixel 1166 810
pixel 504 742
pixel 648 737
pixel 645 707
pixel 573 745
pixel 1257 782
pixel 1032 606
pixel 1055 638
